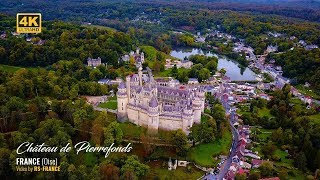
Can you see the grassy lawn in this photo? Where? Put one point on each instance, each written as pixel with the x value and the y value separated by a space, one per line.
pixel 160 170
pixel 297 102
pixel 315 118
pixel 263 137
pixel 111 104
pixel 285 162
pixel 112 98
pixel 132 130
pixel 165 73
pixel 265 134
pixel 264 112
pixel 11 68
pixel 204 154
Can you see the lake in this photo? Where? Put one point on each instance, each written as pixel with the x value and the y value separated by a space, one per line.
pixel 233 70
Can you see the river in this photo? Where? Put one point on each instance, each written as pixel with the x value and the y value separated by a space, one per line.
pixel 233 70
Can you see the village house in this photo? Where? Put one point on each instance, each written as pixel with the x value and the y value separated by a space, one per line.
pixel 193 81
pixel 104 81
pixel 275 34
pixel 292 38
pixel 178 63
pixel 302 43
pixel 3 35
pixel 312 46
pixel 271 49
pixel 256 163
pixel 15 34
pixel 138 57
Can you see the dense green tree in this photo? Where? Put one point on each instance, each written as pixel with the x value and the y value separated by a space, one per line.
pixel 4 162
pixel 2 141
pixel 174 71
pixel 132 164
pixel 53 132
pixel 212 65
pixel 254 176
pixel 241 177
pixel 301 161
pixel 266 169
pixel 183 75
pixel 113 134
pixel 203 75
pixel 180 140
pixel 268 149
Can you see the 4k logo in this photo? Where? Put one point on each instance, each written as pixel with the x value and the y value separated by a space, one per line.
pixel 28 23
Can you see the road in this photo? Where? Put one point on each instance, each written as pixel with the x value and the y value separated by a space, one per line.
pixel 235 137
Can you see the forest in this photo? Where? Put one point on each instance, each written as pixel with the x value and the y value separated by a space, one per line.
pixel 301 65
pixel 293 128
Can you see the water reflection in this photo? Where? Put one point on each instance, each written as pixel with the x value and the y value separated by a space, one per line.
pixel 235 72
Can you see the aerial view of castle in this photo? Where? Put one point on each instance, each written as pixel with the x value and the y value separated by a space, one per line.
pixel 157 104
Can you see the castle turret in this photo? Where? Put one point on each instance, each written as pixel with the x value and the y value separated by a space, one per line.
pixel 122 99
pixel 142 57
pixel 128 78
pixel 202 98
pixel 196 105
pixel 153 113
pixel 140 75
pixel 187 118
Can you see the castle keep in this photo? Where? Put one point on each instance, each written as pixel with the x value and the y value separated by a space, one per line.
pixel 170 106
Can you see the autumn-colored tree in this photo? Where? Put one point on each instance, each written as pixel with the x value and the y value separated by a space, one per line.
pixel 97 128
pixel 109 172
pixel 147 141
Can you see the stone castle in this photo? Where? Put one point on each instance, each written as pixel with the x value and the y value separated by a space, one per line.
pixel 94 62
pixel 158 105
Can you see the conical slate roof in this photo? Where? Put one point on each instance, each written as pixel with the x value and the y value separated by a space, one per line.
pixel 153 102
pixel 122 85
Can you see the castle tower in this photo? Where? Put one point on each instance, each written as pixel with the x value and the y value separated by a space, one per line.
pixel 153 113
pixel 202 98
pixel 122 99
pixel 128 86
pixel 140 75
pixel 142 57
pixel 196 106
pixel 187 119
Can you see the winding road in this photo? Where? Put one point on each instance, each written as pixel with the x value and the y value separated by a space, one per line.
pixel 235 137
